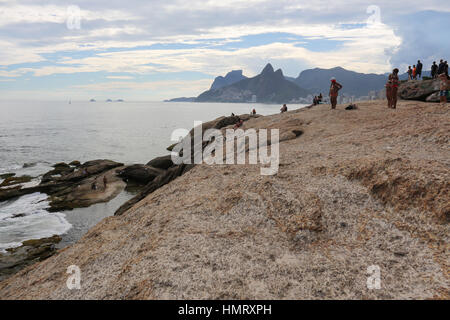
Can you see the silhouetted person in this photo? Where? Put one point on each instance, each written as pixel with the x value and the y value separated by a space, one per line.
pixel 441 67
pixel 446 68
pixel 434 70
pixel 410 72
pixel 419 69
pixel 284 108
pixel 320 97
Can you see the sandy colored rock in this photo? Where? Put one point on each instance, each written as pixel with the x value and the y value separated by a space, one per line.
pixel 356 189
pixel 81 194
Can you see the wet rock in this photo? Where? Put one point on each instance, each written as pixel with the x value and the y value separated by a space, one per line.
pixel 59 170
pixel 61 165
pixel 15 180
pixel 29 164
pixel 75 163
pixel 7 175
pixel 86 170
pixel 30 252
pixel 164 162
pixel 62 178
pixel 140 173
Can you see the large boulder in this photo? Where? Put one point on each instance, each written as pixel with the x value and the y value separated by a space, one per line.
pixel 87 169
pixel 140 173
pixel 434 97
pixel 164 162
pixel 10 181
pixel 60 169
pixel 31 251
pixel 418 90
pixel 169 175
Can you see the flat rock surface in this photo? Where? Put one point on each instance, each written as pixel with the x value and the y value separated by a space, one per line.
pixel 81 194
pixel 358 188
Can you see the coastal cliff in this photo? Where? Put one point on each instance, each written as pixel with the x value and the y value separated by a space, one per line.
pixel 355 189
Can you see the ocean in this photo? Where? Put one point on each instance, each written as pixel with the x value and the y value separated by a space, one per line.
pixel 36 135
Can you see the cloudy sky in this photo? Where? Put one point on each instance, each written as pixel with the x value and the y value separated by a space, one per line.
pixel 158 49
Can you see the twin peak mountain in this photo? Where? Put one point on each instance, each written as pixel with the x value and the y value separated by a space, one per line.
pixel 272 86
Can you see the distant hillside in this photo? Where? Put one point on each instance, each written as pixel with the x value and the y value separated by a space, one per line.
pixel 354 83
pixel 231 77
pixel 182 99
pixel 269 87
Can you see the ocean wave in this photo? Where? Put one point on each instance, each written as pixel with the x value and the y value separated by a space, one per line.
pixel 27 218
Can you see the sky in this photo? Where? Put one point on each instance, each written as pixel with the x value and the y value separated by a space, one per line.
pixel 159 49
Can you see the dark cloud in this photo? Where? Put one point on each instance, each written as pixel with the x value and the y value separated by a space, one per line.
pixel 425 36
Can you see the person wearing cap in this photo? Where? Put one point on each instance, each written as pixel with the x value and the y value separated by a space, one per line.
pixel 334 92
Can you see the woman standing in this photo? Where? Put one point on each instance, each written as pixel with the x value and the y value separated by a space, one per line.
pixel 392 89
pixel 334 92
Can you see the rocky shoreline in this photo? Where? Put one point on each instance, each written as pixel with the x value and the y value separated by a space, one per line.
pixel 69 186
pixel 354 189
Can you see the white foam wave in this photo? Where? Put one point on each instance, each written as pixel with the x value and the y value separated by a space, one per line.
pixel 27 218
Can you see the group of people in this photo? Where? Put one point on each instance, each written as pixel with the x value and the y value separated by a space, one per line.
pixel 442 68
pixel 94 183
pixel 317 99
pixel 415 72
pixel 392 85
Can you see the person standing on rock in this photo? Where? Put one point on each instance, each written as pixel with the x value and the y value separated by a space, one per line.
pixel 334 92
pixel 414 72
pixel 392 89
pixel 434 69
pixel 410 73
pixel 441 67
pixel 419 69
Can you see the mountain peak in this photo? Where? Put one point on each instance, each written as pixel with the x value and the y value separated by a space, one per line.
pixel 230 78
pixel 234 73
pixel 279 72
pixel 268 69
